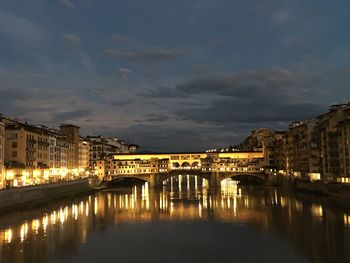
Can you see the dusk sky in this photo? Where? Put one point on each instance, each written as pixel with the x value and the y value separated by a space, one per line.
pixel 173 75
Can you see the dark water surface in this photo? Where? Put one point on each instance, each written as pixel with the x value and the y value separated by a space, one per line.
pixel 185 223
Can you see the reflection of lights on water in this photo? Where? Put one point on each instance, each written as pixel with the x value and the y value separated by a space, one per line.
pixel 24 231
pixel 75 211
pixel 95 206
pixel 87 209
pixel 317 210
pixel 180 183
pixel 275 198
pixel 283 202
pixel 205 183
pixel 188 182
pixel 53 217
pixel 109 198
pixel 8 235
pixel 35 225
pixel 62 215
pixel 229 187
pixel 81 207
pixel 45 222
pixel 171 208
pixel 298 205
pixel 346 220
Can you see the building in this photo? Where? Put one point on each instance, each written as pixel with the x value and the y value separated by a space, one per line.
pixel 59 146
pixel 84 156
pixel 281 159
pixel 332 147
pixel 302 150
pixel 102 147
pixel 263 140
pixel 2 154
pixel 26 153
pixel 73 135
pixel 344 149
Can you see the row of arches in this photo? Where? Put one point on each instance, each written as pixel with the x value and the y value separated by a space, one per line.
pixel 185 165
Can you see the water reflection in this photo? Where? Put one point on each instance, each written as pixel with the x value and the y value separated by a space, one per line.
pixel 315 228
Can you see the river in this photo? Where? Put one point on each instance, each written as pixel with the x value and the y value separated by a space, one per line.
pixel 183 222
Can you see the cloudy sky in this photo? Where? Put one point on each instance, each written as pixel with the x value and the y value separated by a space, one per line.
pixel 173 75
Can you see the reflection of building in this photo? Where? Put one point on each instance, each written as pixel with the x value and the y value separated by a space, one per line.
pixel 2 154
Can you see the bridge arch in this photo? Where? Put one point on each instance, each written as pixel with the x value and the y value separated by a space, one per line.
pixel 128 179
pixel 185 165
pixel 175 165
pixel 245 177
pixel 195 164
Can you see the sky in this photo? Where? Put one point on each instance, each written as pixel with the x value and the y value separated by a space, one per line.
pixel 173 75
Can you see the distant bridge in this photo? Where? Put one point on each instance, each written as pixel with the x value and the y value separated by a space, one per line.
pixel 156 168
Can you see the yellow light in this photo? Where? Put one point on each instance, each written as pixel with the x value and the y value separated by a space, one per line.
pixel 10 175
pixel 46 174
pixel 45 222
pixel 35 225
pixel 36 173
pixel 8 235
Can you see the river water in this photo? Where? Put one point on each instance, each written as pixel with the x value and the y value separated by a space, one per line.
pixel 183 222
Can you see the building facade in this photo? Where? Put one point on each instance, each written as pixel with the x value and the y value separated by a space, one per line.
pixel 72 133
pixel 332 148
pixel 302 150
pixel 84 156
pixel 344 149
pixel 2 154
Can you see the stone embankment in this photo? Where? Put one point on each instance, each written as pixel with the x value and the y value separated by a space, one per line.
pixel 336 191
pixel 41 194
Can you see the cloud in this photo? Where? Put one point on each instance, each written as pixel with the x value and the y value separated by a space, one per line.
pixel 17 28
pixel 261 85
pixel 70 115
pixel 259 113
pixel 249 97
pixel 162 92
pixel 121 39
pixel 124 73
pixel 72 39
pixel 150 55
pixel 68 3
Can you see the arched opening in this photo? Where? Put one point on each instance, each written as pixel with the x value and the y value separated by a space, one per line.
pixel 195 165
pixel 175 165
pixel 185 165
pixel 126 182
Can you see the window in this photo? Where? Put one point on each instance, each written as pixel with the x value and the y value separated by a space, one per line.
pixel 14 154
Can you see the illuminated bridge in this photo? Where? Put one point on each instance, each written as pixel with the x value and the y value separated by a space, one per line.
pixel 157 167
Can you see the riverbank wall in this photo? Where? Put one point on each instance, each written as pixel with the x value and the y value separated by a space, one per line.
pixel 335 191
pixel 36 195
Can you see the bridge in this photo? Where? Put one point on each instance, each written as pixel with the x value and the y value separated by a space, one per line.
pixel 155 168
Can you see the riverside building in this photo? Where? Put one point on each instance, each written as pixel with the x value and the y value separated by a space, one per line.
pixel 33 154
pixel 2 154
